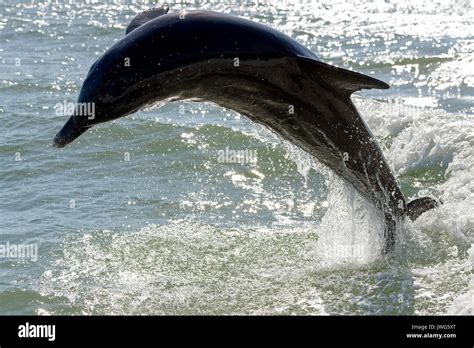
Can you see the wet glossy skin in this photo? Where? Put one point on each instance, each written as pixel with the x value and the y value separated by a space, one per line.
pixel 252 69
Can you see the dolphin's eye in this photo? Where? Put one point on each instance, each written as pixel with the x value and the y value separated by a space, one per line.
pixel 118 87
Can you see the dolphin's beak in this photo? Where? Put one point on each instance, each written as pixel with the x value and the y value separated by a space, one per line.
pixel 70 131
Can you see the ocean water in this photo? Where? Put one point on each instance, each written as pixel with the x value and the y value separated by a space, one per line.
pixel 142 216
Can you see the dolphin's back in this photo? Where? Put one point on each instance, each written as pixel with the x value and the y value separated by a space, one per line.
pixel 207 34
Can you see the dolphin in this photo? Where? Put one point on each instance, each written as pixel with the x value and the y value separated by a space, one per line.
pixel 257 71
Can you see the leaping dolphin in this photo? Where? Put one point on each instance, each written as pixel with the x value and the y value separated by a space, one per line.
pixel 257 71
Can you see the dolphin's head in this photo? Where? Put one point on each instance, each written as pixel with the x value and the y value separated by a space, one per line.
pixel 111 90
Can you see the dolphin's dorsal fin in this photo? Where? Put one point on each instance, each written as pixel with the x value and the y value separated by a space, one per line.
pixel 146 16
pixel 344 80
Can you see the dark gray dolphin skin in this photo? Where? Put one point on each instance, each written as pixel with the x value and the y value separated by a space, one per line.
pixel 257 71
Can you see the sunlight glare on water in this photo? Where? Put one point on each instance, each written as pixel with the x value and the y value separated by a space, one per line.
pixel 139 216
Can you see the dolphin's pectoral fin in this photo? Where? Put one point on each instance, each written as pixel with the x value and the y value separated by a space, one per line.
pixel 420 205
pixel 146 16
pixel 344 80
